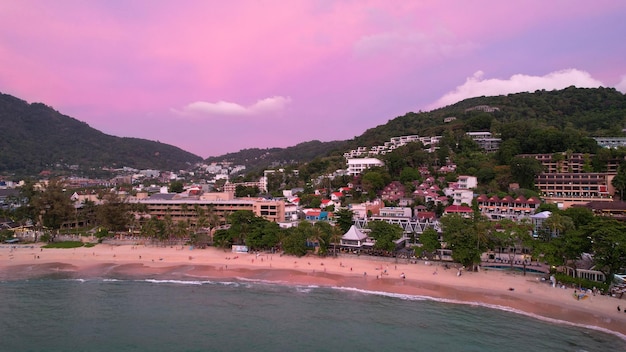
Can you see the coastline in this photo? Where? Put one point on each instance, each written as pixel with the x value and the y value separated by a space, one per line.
pixel 490 288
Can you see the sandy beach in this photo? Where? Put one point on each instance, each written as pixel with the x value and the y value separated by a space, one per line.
pixel 525 294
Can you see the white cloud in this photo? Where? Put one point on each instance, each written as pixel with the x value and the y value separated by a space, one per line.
pixel 267 105
pixel 476 85
pixel 621 86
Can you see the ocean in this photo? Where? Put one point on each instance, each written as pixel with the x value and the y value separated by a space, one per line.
pixel 57 313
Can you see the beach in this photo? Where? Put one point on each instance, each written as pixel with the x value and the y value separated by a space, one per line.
pixel 527 294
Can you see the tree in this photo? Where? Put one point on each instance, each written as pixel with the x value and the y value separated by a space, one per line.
pixel 322 233
pixel 113 213
pixel 507 151
pixel 271 235
pixel 53 206
pixel 580 216
pixel 374 180
pixel 294 242
pixel 524 171
pixel 385 234
pixel 155 229
pixel 466 237
pixel 557 224
pixel 242 191
pixel 619 181
pixel 430 241
pixel 343 218
pixel 222 239
pixel 609 245
pixel 409 174
pixel 176 187
pixel 513 236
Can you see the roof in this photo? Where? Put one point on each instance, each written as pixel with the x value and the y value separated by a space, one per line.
pixel 354 234
pixel 458 209
pixel 606 206
pixel 543 215
pixel 163 196
pixel 426 215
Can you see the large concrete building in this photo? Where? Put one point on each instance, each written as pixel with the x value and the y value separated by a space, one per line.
pixel 358 165
pixel 496 208
pixel 219 204
pixel 567 189
pixel 486 141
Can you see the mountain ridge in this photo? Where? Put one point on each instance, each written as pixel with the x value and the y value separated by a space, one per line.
pixel 585 111
pixel 36 137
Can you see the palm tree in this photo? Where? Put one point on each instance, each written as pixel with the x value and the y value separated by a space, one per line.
pixel 322 233
pixel 557 224
pixel 336 238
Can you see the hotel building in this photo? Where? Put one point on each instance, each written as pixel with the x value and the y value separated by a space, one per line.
pixel 567 189
pixel 188 208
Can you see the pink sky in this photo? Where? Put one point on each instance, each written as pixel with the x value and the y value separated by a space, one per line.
pixel 213 77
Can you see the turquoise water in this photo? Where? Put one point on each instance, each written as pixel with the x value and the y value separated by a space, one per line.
pixel 61 314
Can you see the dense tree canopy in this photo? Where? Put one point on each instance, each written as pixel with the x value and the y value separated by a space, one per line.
pixel 385 234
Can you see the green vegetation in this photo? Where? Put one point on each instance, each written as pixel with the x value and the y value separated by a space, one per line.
pixel 581 283
pixel 555 122
pixel 257 160
pixel 65 244
pixel 35 137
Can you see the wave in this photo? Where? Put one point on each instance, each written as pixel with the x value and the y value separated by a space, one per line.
pixel 179 282
pixel 480 304
pixel 78 280
pixel 305 289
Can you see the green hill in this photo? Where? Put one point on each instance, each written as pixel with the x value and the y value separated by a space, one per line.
pixel 256 159
pixel 587 111
pixel 35 137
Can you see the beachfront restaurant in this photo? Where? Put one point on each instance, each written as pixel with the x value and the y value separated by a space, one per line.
pixel 356 240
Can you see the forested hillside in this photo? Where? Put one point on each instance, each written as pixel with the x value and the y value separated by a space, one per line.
pixel 35 137
pixel 539 122
pixel 545 117
pixel 256 159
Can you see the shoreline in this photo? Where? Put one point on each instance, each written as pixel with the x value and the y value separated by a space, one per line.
pixel 527 295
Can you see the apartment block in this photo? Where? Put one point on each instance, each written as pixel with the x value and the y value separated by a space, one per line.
pixel 496 208
pixel 188 209
pixel 358 165
pixel 567 189
pixel 486 141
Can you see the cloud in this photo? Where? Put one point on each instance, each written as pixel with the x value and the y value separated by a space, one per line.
pixel 202 108
pixel 621 86
pixel 476 85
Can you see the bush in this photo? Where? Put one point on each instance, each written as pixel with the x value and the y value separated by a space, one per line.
pixel 581 283
pixel 67 244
